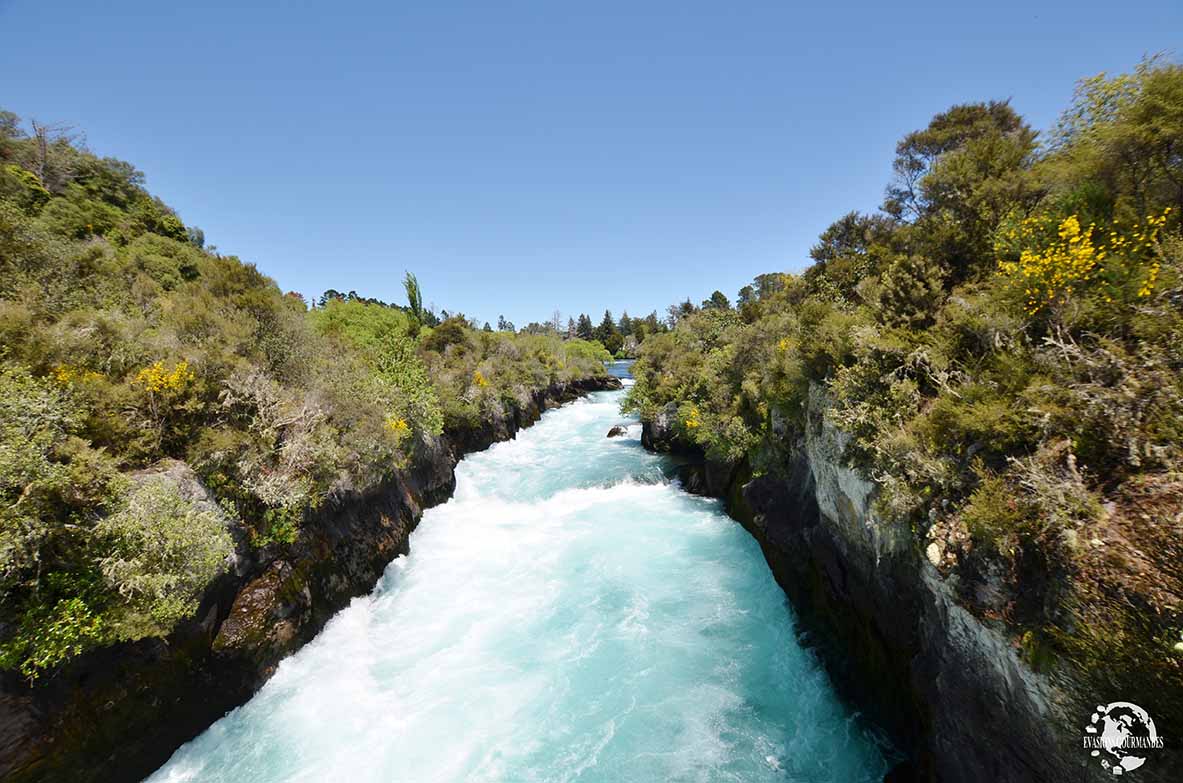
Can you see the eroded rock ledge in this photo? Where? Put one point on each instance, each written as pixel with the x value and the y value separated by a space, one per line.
pixel 117 713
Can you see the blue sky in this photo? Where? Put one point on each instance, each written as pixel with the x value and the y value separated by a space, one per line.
pixel 527 156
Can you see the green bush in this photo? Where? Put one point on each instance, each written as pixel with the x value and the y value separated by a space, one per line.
pixel 164 551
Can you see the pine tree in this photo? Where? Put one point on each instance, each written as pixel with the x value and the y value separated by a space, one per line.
pixel 606 329
pixel 626 324
pixel 583 329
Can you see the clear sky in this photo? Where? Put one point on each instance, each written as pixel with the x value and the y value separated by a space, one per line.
pixel 527 156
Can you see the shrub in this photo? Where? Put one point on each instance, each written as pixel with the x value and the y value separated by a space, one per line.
pixel 576 349
pixel 1050 269
pixel 164 551
pixel 50 634
pixel 995 512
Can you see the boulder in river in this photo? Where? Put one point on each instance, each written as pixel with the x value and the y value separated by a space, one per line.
pixel 619 431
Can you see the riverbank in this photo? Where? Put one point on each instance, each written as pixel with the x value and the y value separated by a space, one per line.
pixel 953 691
pixel 117 713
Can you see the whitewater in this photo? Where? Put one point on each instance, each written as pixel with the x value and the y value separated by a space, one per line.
pixel 571 614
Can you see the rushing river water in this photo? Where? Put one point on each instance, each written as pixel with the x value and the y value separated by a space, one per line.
pixel 569 615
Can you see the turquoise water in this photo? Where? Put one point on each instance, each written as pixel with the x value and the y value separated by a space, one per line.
pixel 569 615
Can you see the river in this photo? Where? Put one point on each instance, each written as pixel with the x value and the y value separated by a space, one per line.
pixel 569 615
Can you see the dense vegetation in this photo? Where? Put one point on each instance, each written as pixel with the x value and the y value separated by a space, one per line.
pixel 124 343
pixel 1004 340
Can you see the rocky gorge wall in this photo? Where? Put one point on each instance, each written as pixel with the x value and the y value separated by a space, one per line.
pixel 951 689
pixel 117 713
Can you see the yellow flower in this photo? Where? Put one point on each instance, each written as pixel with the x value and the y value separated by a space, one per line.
pixel 398 426
pixel 68 375
pixel 1052 271
pixel 157 378
pixel 479 379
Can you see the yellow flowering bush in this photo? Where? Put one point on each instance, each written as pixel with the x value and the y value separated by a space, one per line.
pixel 479 379
pixel 398 426
pixel 68 375
pixel 1052 268
pixel 168 402
pixel 158 378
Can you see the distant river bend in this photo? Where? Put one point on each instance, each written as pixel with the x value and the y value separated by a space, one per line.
pixel 570 615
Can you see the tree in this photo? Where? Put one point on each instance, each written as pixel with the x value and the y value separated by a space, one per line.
pixel 606 328
pixel 55 159
pixel 851 234
pixel 125 339
pixel 676 312
pixel 1127 131
pixel 959 129
pixel 328 296
pixel 504 325
pixel 626 324
pixel 583 329
pixel 453 330
pixel 414 297
pixel 10 132
pixel 486 327
pixel 852 249
pixel 956 179
pixel 570 328
pixel 556 321
pixel 718 301
pixel 769 284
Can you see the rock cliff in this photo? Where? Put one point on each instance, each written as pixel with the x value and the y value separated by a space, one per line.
pixel 950 688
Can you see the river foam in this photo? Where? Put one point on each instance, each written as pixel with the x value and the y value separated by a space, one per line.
pixel 570 615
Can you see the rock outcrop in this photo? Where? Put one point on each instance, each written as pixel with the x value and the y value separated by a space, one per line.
pixel 697 474
pixel 657 434
pixel 118 713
